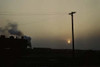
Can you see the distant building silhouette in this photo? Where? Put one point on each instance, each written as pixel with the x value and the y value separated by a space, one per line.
pixel 13 43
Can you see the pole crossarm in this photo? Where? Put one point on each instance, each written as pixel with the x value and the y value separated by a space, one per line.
pixel 72 13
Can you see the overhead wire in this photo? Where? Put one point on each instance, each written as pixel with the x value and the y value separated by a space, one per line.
pixel 31 14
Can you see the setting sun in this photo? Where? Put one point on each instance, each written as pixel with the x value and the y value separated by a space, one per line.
pixel 68 41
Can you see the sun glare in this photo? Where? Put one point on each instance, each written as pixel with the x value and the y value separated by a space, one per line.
pixel 68 41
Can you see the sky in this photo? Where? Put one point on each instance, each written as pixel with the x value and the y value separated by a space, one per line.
pixel 48 24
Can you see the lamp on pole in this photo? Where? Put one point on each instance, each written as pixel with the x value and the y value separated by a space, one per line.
pixel 72 30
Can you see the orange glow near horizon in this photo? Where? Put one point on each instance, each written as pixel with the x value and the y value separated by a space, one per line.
pixel 68 41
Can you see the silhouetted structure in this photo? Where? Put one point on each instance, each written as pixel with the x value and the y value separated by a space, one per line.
pixel 72 29
pixel 13 43
pixel 14 53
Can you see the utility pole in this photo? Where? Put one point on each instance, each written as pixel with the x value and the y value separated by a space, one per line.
pixel 73 48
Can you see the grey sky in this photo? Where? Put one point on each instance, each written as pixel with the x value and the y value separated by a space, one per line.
pixel 49 19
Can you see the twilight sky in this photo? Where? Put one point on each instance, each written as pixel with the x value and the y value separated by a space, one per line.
pixel 48 22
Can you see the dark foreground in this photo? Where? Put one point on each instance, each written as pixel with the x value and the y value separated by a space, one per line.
pixel 42 57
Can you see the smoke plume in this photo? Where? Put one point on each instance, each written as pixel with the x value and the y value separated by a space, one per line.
pixel 10 29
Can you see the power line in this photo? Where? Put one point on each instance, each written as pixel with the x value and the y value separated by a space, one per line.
pixel 31 14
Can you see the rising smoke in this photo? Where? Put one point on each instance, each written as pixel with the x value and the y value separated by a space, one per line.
pixel 10 29
pixel 13 29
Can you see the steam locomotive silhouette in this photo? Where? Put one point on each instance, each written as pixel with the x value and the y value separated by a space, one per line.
pixel 14 43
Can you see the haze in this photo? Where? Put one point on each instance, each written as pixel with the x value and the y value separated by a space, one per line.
pixel 48 22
